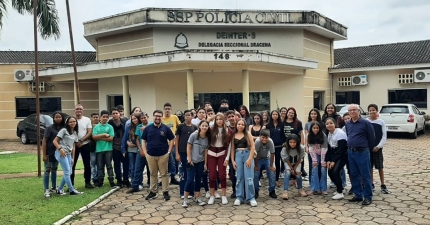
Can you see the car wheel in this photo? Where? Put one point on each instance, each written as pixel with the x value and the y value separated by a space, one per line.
pixel 414 135
pixel 423 131
pixel 24 138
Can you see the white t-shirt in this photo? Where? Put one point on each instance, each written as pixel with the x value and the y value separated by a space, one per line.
pixel 83 125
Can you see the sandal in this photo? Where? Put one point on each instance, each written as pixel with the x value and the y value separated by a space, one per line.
pixel 302 193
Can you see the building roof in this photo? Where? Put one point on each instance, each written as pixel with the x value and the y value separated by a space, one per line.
pixel 46 57
pixel 394 54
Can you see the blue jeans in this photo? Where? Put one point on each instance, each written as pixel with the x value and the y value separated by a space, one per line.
pixel 140 164
pixel 319 183
pixel 264 164
pixel 193 173
pixel 244 173
pixel 93 164
pixel 287 175
pixel 205 183
pixel 66 165
pixel 50 169
pixel 132 157
pixel 172 162
pixel 359 166
pixel 120 165
pixel 183 174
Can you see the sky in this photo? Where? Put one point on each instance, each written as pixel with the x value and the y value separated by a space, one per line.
pixel 369 22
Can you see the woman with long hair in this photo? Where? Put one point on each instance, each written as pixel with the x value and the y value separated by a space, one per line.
pixel 129 145
pixel 283 112
pixel 243 162
pixel 266 117
pixel 244 113
pixel 256 126
pixel 65 143
pixel 219 156
pixel 276 128
pixel 317 142
pixel 48 148
pixel 330 111
pixel 313 116
pixel 197 153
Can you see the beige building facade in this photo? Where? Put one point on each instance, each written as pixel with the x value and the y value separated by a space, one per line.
pixel 262 59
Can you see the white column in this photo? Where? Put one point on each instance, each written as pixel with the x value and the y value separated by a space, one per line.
pixel 126 96
pixel 75 93
pixel 245 88
pixel 190 89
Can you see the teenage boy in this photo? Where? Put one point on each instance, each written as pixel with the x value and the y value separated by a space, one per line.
pixel 182 135
pixel 157 145
pixel 224 103
pixel 210 117
pixel 201 115
pixel 93 159
pixel 376 156
pixel 173 122
pixel 231 118
pixel 208 105
pixel 120 110
pixel 103 134
pixel 265 157
pixel 120 160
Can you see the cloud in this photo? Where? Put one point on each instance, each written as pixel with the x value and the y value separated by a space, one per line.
pixel 369 22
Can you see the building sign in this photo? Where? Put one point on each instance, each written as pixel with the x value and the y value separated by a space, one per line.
pixel 225 40
pixel 176 16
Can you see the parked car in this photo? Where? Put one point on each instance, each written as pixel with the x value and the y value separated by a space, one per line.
pixel 26 129
pixel 403 118
pixel 343 108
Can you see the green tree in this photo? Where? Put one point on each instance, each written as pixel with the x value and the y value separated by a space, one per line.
pixel 48 20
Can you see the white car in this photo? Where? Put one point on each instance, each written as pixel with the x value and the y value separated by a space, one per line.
pixel 406 118
pixel 343 108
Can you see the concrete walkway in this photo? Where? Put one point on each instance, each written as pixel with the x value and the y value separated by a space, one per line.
pixel 407 166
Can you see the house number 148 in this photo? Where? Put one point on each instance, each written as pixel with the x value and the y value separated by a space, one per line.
pixel 222 56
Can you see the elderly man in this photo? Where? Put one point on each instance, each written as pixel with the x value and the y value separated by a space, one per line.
pixel 361 137
pixel 85 129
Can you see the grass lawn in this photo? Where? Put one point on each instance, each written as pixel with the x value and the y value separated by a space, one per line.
pixel 24 163
pixel 23 201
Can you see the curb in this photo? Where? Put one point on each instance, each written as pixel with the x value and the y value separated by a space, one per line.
pixel 85 208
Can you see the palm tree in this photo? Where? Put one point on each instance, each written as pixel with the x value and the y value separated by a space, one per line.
pixel 48 20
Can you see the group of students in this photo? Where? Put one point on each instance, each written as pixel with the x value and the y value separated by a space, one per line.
pixel 206 143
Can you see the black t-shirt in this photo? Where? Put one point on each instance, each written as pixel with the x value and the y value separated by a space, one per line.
pixel 290 129
pixel 50 134
pixel 184 133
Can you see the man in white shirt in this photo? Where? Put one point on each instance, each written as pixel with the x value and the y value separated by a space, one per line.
pixel 85 130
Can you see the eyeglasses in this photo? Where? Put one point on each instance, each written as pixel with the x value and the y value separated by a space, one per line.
pixel 157 116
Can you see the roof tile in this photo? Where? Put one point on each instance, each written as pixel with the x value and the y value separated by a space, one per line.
pixel 46 57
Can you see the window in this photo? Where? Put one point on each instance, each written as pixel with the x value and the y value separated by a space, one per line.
pixel 395 109
pixel 258 101
pixel 319 100
pixel 417 97
pixel 25 106
pixel 114 100
pixel 348 97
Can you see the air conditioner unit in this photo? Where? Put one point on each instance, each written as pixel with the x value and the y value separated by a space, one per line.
pixel 421 76
pixel 42 87
pixel 406 78
pixel 344 81
pixel 23 75
pixel 359 80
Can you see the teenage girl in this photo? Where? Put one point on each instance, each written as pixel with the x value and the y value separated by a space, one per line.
pixel 317 142
pixel 277 135
pixel 129 145
pixel 266 117
pixel 243 162
pixel 65 143
pixel 292 156
pixel 51 164
pixel 197 152
pixel 330 111
pixel 313 116
pixel 256 126
pixel 244 113
pixel 292 125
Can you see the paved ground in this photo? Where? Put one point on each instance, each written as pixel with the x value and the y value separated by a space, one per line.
pixel 407 176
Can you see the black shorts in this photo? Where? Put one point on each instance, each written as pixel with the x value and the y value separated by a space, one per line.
pixel 377 159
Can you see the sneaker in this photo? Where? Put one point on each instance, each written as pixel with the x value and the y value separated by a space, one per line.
pixel 166 196
pixel 281 176
pixel 185 203
pixel 126 183
pixel 53 190
pixel 47 193
pixel 211 200
pixel 140 187
pixel 233 195
pixel 76 192
pixel 61 192
pixel 285 195
pixel 259 183
pixel 199 201
pixel 112 184
pixel 237 202
pixel 151 196
pixel 384 189
pixel 272 194
pixel 332 185
pixel 208 194
pixel 173 181
pixel 305 178
pixel 334 193
pixel 224 200
pixel 373 187
pixel 89 185
pixel 217 195
pixel 338 196
pixel 253 203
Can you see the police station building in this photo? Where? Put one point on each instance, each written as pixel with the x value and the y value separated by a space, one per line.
pixel 262 59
